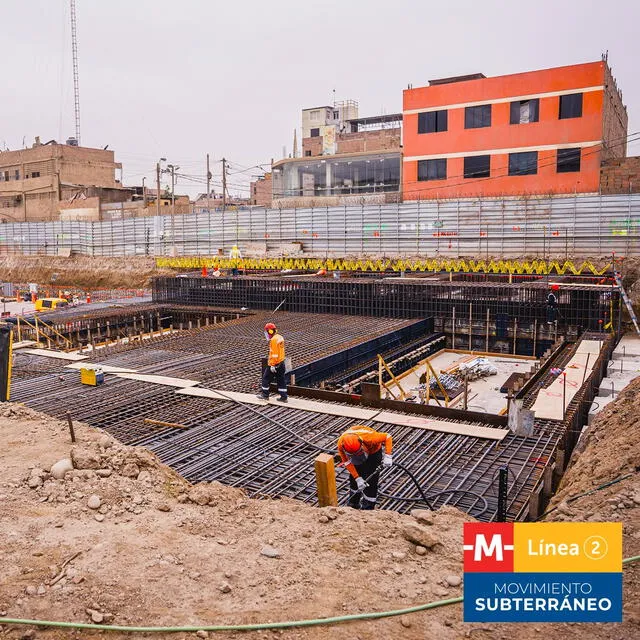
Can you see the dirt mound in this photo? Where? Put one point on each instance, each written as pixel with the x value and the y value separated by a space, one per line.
pixel 100 532
pixel 122 539
pixel 81 271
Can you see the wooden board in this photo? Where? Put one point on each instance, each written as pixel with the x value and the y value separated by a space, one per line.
pixel 60 355
pixel 107 368
pixel 166 380
pixel 23 344
pixel 442 426
pixel 294 403
pixel 548 404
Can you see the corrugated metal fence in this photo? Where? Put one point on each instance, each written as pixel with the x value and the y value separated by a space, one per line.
pixel 555 227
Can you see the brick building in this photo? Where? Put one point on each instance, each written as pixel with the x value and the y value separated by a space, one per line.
pixel 260 191
pixel 37 183
pixel 538 132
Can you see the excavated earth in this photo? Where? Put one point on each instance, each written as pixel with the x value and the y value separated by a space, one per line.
pixel 122 539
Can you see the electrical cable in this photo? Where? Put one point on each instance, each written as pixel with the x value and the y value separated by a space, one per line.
pixel 313 622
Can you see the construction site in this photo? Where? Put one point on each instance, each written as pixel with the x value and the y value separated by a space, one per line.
pixel 486 388
pixel 322 397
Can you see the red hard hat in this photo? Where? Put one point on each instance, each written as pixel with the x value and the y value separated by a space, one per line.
pixel 351 442
pixel 555 287
pixel 270 327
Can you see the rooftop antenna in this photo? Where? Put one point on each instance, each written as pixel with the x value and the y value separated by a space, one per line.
pixel 74 52
pixel 334 98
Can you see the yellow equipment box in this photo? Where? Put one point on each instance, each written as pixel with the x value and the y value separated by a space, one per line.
pixel 91 376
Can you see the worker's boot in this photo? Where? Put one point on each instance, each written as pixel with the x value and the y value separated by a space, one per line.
pixel 354 501
pixel 368 505
pixel 283 399
pixel 262 396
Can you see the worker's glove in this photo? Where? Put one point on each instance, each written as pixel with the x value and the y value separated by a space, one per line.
pixel 361 483
pixel 387 460
pixel 273 369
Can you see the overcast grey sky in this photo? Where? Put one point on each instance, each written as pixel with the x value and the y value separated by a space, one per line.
pixel 180 78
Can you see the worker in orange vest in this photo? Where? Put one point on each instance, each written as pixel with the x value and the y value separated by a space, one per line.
pixel 275 364
pixel 360 448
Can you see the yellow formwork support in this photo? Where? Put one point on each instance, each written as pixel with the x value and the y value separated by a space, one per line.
pixel 432 265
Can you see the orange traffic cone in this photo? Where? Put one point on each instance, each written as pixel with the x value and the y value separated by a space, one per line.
pixel 204 271
pixel 88 298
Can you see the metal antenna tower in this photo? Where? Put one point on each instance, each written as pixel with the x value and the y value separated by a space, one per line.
pixel 74 51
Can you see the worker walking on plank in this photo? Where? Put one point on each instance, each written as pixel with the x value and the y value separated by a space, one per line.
pixel 360 448
pixel 275 364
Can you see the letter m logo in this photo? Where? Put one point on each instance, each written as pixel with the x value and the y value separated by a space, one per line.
pixel 488 547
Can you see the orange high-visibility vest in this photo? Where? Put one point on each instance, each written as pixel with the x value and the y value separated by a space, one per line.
pixel 372 442
pixel 276 350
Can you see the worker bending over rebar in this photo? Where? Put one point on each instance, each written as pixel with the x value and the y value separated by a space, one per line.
pixel 275 364
pixel 360 448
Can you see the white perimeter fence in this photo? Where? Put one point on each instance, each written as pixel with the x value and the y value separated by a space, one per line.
pixel 558 227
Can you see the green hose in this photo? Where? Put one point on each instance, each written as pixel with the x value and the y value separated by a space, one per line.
pixel 236 627
pixel 249 627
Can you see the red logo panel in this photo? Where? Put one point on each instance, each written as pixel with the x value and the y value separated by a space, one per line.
pixel 488 547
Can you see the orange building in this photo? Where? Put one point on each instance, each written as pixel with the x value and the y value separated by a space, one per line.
pixel 539 132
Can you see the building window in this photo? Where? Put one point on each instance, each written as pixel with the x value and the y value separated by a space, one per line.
pixel 315 115
pixel 336 115
pixel 570 106
pixel 6 176
pixel 315 133
pixel 432 121
pixel 568 160
pixel 477 166
pixel 17 174
pixel 35 174
pixel 477 117
pixel 432 169
pixel 523 164
pixel 307 152
pixel 524 111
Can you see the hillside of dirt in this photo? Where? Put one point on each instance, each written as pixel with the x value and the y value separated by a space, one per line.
pixel 113 536
pixel 81 271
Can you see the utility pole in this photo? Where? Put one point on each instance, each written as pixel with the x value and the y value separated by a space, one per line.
pixel 208 183
pixel 224 184
pixel 144 193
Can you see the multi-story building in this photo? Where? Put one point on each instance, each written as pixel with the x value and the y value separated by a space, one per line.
pixel 345 159
pixel 539 132
pixel 36 183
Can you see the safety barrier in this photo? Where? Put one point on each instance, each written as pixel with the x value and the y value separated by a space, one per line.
pixel 515 267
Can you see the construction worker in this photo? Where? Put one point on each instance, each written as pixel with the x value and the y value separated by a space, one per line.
pixel 275 364
pixel 552 304
pixel 360 448
pixel 235 255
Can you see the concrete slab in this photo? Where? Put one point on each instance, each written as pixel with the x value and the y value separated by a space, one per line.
pixel 615 382
pixel 484 393
pixel 548 404
pixel 598 404
pixel 59 355
pixel 629 345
